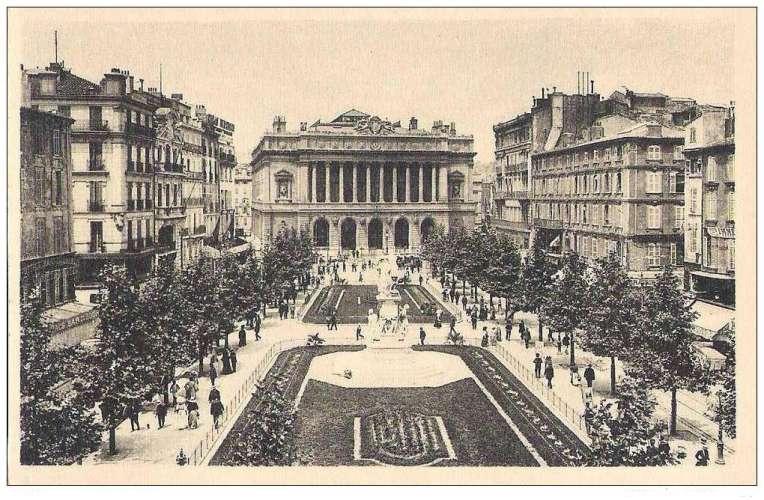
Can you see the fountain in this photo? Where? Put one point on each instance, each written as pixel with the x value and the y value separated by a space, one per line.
pixel 390 329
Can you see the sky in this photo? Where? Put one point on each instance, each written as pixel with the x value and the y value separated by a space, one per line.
pixel 474 68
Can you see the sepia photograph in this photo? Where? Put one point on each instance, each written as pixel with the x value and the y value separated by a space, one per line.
pixel 381 246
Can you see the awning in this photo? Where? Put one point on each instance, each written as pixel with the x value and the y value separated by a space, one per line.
pixel 714 358
pixel 238 248
pixel 721 232
pixel 716 276
pixel 209 251
pixel 711 319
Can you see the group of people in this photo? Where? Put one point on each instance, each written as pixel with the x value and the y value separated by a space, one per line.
pixel 548 368
pixel 286 309
pixel 224 363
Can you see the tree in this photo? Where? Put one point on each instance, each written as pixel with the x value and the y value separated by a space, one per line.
pixel 724 405
pixel 610 326
pixel 433 249
pixel 57 428
pixel 502 274
pixel 624 432
pixel 536 277
pixel 568 299
pixel 285 261
pixel 665 359
pixel 268 439
pixel 124 369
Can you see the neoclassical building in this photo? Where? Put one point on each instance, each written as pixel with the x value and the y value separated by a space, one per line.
pixel 360 182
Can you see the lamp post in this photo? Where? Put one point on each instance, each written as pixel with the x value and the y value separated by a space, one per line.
pixel 720 440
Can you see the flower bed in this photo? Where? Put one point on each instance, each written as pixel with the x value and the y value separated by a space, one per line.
pixel 553 440
pixel 288 372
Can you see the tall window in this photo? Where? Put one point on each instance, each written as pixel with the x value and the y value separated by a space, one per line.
pixel 654 217
pixel 58 186
pixel 731 205
pixel 654 182
pixel 731 254
pixel 96 236
pixel 711 205
pixel 40 235
pixel 694 200
pixel 57 142
pixel 693 135
pixel 678 217
pixel 653 254
pixel 653 152
pixel 618 182
pixel 58 234
pixel 711 169
pixel 678 153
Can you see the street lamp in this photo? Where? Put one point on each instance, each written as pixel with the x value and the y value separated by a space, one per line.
pixel 720 440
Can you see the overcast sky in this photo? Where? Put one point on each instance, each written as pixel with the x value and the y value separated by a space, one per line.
pixel 247 66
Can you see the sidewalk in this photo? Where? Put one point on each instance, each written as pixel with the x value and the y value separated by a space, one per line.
pixel 693 420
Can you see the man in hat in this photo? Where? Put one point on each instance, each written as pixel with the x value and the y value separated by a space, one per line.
pixel 702 457
pixel 589 375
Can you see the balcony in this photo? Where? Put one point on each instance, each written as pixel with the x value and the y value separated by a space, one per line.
pixel 95 206
pixel 96 165
pixel 130 205
pixel 134 128
pixel 512 194
pixel 547 223
pixel 507 225
pixel 171 212
pixel 96 247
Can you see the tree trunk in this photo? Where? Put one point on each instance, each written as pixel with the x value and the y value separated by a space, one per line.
pixel 572 348
pixel 464 286
pixel 225 340
pixel 112 440
pixel 541 329
pixel 612 375
pixel 672 422
pixel 201 357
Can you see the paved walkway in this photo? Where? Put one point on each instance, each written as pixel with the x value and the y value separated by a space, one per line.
pixel 694 420
pixel 153 445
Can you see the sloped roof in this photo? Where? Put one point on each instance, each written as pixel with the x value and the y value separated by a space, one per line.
pixel 353 113
pixel 71 85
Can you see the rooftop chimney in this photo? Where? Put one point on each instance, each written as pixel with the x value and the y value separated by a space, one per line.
pixel 413 123
pixel 303 126
pixel 176 97
pixel 453 128
pixel 140 81
pixel 114 83
pixel 279 124
pixel 543 92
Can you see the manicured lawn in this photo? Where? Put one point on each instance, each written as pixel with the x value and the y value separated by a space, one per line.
pixel 293 365
pixel 326 415
pixel 345 298
pixel 553 440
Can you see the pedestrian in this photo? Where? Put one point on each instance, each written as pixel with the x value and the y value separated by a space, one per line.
pixel 527 338
pixel 588 416
pixel 575 378
pixel 537 361
pixel 664 448
pixel 291 310
pixel 234 360
pixel 192 408
pixel 484 340
pixel 421 280
pixel 257 328
pixel 452 326
pixel 498 333
pixel 438 314
pixel 589 375
pixel 358 334
pixel 227 362
pixel 559 345
pixel 456 298
pixel 214 359
pixel 174 388
pixel 161 412
pixel 464 302
pixel 333 321
pixel 566 342
pixel 509 328
pixel 474 320
pixel 191 389
pixel 213 374
pixel 451 293
pixel 242 336
pixel 422 335
pixel 549 374
pixel 701 456
pixel 133 411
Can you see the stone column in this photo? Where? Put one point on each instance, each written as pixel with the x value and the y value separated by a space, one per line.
pixel 394 171
pixel 420 169
pixel 334 237
pixel 341 194
pixel 433 185
pixel 314 183
pixel 380 191
pixel 362 235
pixel 443 182
pixel 327 181
pixel 368 182
pixel 355 183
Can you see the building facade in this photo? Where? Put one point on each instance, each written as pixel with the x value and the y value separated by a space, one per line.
pixel 511 198
pixel 710 204
pixel 47 254
pixel 112 140
pixel 360 182
pixel 243 200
